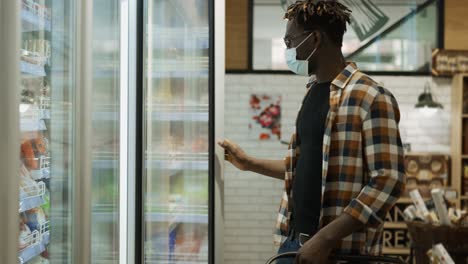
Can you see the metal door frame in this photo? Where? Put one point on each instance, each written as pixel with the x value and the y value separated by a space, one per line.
pixel 10 28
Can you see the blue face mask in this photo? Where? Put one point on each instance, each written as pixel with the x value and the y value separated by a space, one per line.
pixel 300 67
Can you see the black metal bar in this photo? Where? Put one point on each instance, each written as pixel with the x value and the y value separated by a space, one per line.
pixel 139 158
pixel 441 24
pixel 211 135
pixel 374 73
pixel 390 29
pixel 250 35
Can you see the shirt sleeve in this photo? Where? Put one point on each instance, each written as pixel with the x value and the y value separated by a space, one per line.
pixel 383 159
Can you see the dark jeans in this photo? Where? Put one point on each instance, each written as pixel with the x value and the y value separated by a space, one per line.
pixel 288 246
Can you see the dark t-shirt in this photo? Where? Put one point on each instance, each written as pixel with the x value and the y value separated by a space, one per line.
pixel 307 186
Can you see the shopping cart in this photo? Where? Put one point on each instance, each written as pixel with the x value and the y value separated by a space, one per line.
pixel 344 258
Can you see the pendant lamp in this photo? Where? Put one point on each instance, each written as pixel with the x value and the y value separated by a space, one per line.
pixel 426 103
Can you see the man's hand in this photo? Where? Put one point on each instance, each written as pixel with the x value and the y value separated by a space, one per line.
pixel 234 154
pixel 315 251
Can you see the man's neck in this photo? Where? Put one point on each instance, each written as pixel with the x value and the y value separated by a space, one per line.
pixel 330 68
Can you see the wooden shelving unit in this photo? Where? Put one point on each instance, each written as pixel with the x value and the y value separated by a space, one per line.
pixel 459 139
pixel 396 251
pixel 400 225
pixel 396 231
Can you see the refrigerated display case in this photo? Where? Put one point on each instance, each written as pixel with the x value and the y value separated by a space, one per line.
pixel 46 128
pixel 177 137
pixel 111 109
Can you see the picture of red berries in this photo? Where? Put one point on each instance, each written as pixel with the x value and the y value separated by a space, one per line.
pixel 266 115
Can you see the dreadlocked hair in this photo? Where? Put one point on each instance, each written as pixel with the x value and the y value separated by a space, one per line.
pixel 328 16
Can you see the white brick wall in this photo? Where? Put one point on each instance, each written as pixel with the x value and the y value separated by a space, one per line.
pixel 251 200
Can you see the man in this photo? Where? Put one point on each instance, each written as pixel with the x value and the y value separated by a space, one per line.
pixel 344 168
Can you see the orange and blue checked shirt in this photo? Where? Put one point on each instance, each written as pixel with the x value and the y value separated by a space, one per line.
pixel 363 167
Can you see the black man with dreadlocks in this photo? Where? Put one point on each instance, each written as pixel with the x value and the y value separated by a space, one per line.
pixel 344 169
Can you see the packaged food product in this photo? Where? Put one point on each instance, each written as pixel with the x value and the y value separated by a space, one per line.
pixel 28 186
pixel 440 255
pixel 35 218
pixel 440 207
pixel 32 150
pixel 24 236
pixel 419 202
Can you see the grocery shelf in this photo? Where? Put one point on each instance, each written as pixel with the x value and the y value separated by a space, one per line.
pixel 181 116
pixel 157 116
pixel 163 74
pixel 464 197
pixel 31 125
pixel 158 217
pixel 158 164
pixel 396 251
pixel 31 196
pixel 179 74
pixel 177 218
pixel 395 225
pixel 177 164
pixel 44 169
pixel 37 241
pixel 195 45
pixel 46 238
pixel 32 22
pixel 35 113
pixel 30 252
pixel 165 257
pixel 30 203
pixel 32 69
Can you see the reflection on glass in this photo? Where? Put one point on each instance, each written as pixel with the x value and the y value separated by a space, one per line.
pixel 46 123
pixel 405 42
pixel 406 48
pixel 176 132
pixel 105 178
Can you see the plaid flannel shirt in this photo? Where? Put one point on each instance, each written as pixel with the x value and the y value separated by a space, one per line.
pixel 363 167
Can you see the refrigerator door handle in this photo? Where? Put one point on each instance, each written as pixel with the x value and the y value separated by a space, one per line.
pixel 83 155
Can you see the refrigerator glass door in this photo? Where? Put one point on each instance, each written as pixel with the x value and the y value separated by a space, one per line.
pixel 176 126
pixel 105 132
pixel 47 130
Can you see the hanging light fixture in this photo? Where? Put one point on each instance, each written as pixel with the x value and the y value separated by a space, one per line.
pixel 426 103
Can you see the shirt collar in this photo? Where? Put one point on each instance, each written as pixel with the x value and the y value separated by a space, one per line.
pixel 342 79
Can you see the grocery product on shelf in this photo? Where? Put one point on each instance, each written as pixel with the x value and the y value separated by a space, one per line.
pixel 436 211
pixel 36 219
pixel 35 54
pixel 25 235
pixel 32 150
pixel 439 255
pixel 441 208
